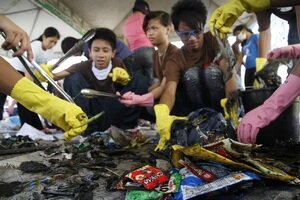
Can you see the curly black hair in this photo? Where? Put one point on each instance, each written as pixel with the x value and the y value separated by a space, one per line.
pixel 191 12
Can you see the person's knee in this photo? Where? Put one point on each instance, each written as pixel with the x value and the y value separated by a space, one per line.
pixel 75 81
pixel 216 86
pixel 194 85
pixel 214 74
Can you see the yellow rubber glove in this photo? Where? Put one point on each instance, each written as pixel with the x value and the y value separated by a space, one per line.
pixel 260 63
pixel 163 123
pixel 120 76
pixel 230 111
pixel 47 69
pixel 224 17
pixel 65 115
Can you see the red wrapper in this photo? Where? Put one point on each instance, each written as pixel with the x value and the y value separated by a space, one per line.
pixel 198 171
pixel 148 176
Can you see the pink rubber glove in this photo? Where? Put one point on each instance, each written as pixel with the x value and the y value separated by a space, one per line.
pixel 131 99
pixel 261 116
pixel 291 51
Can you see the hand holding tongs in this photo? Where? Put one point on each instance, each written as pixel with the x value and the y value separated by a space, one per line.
pixel 225 52
pixel 24 60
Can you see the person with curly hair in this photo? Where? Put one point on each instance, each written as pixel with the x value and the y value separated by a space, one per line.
pixel 192 81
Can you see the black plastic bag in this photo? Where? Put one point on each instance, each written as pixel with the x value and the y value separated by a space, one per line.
pixel 202 127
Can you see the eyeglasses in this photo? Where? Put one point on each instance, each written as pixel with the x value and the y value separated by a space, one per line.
pixel 184 35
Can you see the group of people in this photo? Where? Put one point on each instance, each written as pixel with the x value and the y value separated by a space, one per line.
pixel 183 80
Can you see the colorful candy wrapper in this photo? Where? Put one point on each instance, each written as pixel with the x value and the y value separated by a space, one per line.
pixel 172 185
pixel 148 176
pixel 198 171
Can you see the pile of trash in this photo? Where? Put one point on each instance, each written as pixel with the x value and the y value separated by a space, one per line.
pixel 203 166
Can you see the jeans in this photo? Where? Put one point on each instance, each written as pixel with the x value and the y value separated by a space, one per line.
pixel 115 113
pixel 143 63
pixel 199 88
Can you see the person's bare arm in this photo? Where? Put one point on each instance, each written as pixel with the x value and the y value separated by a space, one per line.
pixel 238 55
pixel 297 9
pixel 264 21
pixel 60 75
pixel 169 94
pixel 153 86
pixel 9 77
pixel 281 3
pixel 230 85
pixel 157 92
pixel 264 44
pixel 296 69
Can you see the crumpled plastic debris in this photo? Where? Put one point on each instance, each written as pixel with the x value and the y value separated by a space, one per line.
pixel 202 127
pixel 244 161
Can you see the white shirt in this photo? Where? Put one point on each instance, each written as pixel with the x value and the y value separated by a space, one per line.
pixel 39 55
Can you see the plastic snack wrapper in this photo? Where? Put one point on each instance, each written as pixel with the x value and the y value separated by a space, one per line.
pixel 198 152
pixel 143 194
pixel 189 180
pixel 198 171
pixel 172 185
pixel 243 159
pixel 187 192
pixel 148 176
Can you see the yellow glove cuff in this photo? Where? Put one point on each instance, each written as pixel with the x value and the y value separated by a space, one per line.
pixel 161 109
pixel 260 62
pixel 66 115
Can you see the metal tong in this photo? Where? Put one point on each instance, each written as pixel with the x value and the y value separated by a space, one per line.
pixel 225 52
pixel 76 48
pixel 50 80
pixel 89 93
pixel 24 60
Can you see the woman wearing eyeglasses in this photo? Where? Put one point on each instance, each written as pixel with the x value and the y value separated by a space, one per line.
pixel 192 82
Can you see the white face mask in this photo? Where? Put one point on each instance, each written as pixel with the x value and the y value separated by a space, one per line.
pixel 241 37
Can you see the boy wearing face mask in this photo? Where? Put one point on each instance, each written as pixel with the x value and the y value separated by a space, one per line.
pixel 249 43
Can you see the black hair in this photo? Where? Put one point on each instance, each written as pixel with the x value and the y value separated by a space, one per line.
pixel 68 43
pixel 191 12
pixel 104 34
pixel 164 18
pixel 241 27
pixel 49 32
pixel 142 6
